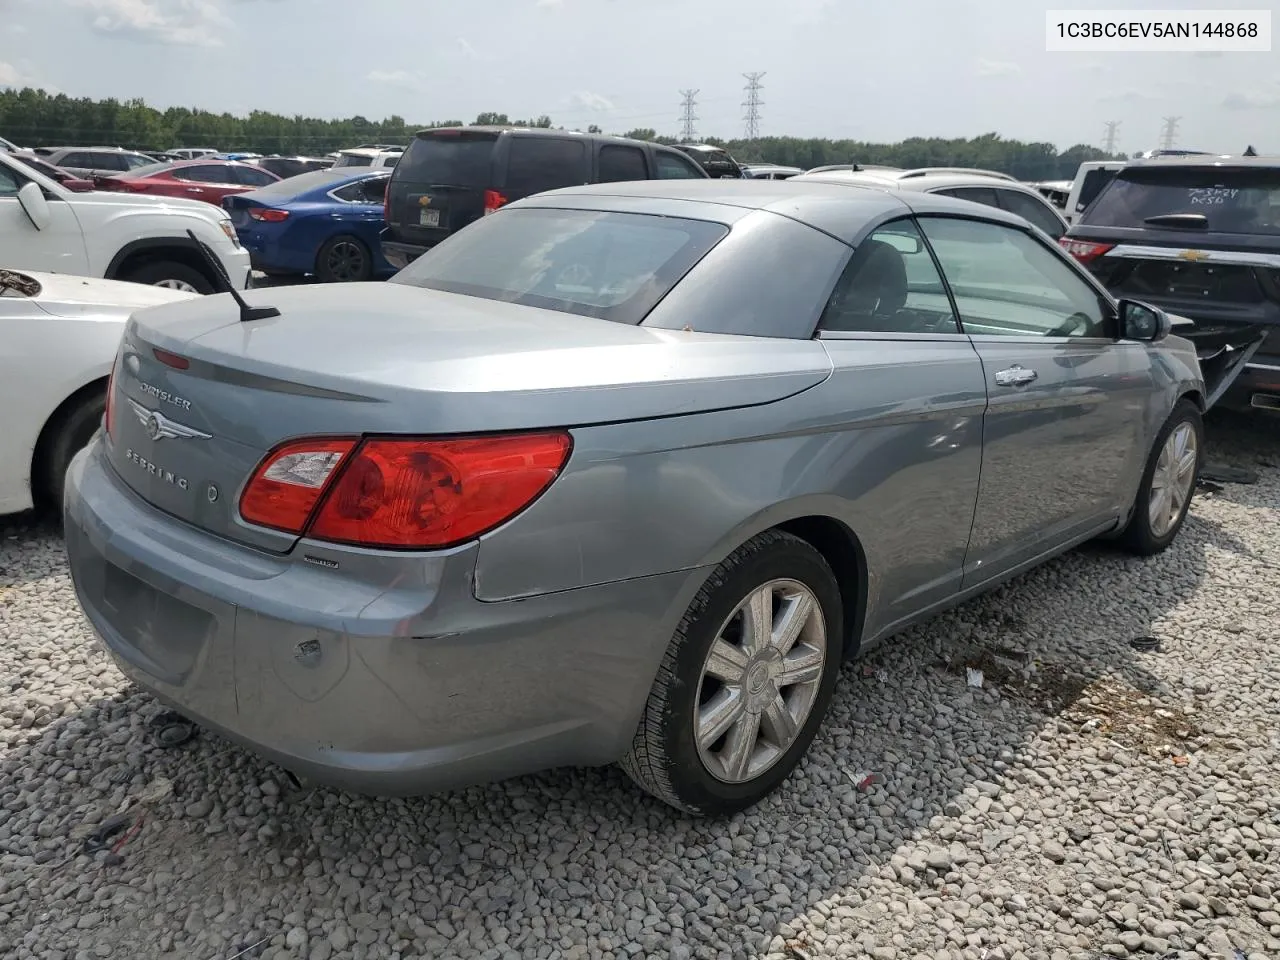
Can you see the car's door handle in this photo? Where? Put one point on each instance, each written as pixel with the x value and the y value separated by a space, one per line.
pixel 195 190
pixel 1015 376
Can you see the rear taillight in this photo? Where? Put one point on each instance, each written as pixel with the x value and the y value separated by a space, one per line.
pixel 1084 250
pixel 386 202
pixel 492 201
pixel 288 484
pixel 268 215
pixel 402 493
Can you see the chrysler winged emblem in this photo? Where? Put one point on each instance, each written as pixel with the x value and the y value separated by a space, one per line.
pixel 160 427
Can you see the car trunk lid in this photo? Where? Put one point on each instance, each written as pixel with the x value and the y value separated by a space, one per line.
pixel 199 397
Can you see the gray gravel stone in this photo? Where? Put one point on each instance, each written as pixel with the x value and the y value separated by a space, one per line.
pixel 1042 816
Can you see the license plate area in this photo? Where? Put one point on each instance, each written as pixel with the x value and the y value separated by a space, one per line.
pixel 429 218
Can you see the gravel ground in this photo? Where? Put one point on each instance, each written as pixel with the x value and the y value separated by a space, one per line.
pixel 1089 800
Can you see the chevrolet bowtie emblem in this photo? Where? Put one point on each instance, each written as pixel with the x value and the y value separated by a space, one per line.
pixel 1193 255
pixel 424 201
pixel 160 427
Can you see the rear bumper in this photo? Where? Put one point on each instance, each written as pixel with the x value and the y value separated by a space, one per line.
pixel 1258 386
pixel 400 254
pixel 407 686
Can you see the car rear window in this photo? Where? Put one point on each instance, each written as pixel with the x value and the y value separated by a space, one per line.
pixel 1213 199
pixel 1092 185
pixel 458 159
pixel 614 266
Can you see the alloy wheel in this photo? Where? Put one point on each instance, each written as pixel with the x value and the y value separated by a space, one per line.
pixel 760 680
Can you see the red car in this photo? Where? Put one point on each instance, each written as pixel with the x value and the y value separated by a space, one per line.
pixel 208 180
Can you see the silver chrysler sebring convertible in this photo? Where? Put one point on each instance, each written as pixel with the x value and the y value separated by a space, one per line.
pixel 619 474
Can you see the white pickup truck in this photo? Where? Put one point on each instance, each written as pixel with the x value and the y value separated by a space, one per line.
pixel 116 236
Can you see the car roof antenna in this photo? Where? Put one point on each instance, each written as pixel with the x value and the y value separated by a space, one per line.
pixel 247 313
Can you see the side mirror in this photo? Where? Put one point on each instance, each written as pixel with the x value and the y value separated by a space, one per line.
pixel 1141 321
pixel 76 185
pixel 35 206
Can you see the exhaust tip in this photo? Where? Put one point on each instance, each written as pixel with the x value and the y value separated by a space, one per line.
pixel 1265 401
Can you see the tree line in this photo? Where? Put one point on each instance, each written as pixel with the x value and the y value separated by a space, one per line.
pixel 35 118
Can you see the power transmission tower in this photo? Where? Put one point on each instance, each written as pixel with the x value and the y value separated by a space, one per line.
pixel 753 103
pixel 1170 135
pixel 1109 141
pixel 687 116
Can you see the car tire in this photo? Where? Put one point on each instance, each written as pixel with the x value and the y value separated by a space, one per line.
pixel 665 757
pixel 170 273
pixel 1155 521
pixel 64 437
pixel 344 259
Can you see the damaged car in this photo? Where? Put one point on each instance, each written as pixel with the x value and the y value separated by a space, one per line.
pixel 620 474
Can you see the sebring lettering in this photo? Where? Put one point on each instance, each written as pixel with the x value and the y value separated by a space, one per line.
pixel 168 476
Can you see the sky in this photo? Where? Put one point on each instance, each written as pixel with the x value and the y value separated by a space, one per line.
pixel 833 68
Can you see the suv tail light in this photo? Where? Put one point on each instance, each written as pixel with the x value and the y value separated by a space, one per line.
pixel 492 201
pixel 386 202
pixel 268 215
pixel 1084 250
pixel 400 492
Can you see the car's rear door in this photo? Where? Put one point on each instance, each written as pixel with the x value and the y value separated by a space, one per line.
pixel 1070 406
pixel 439 184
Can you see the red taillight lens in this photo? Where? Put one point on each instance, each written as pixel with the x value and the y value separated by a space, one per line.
pixel 386 202
pixel 1084 250
pixel 289 483
pixel 404 493
pixel 171 359
pixel 492 201
pixel 270 216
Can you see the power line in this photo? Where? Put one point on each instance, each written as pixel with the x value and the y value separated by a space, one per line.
pixel 687 116
pixel 753 103
pixel 1170 135
pixel 1109 140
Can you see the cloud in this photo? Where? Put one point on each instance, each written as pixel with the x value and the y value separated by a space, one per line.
pixel 194 23
pixel 1251 101
pixel 593 102
pixel 467 49
pixel 11 76
pixel 1131 95
pixel 995 68
pixel 549 4
pixel 396 78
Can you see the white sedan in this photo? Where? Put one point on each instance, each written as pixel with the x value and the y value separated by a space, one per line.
pixel 58 338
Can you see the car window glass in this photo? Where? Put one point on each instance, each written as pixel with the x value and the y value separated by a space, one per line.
pixel 1007 282
pixel 204 173
pixel 983 195
pixel 348 194
pixel 1093 183
pixel 1034 211
pixel 252 176
pixel 83 161
pixel 1210 199
pixel 619 164
pixel 535 164
pixel 10 182
pixel 672 166
pixel 134 160
pixel 373 190
pixel 613 266
pixel 890 285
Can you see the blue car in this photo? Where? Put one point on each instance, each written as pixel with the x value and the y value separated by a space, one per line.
pixel 325 223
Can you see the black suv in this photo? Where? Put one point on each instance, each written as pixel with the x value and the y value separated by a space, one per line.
pixel 1199 237
pixel 451 176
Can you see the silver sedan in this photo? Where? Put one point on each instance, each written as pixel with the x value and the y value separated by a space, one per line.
pixel 620 473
